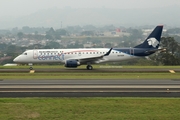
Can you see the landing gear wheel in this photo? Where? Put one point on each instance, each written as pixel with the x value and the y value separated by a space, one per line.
pixel 31 68
pixel 89 67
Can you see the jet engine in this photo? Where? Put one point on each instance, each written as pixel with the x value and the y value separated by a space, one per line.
pixel 72 63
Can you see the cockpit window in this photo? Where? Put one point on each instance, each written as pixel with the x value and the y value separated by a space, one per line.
pixel 25 54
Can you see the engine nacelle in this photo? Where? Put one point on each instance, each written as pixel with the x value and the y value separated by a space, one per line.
pixel 72 63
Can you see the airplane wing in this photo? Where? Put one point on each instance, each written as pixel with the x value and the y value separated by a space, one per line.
pixel 92 58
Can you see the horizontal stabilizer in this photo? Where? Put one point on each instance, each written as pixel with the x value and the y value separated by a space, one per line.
pixel 156 50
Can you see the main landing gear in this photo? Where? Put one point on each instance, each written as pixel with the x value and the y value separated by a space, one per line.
pixel 89 67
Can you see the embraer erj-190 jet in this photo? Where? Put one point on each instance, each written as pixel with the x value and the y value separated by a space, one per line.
pixel 73 58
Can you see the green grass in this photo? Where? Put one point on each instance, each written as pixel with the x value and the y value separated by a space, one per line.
pixel 89 75
pixel 89 108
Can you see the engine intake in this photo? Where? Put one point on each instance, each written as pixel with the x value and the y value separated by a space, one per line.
pixel 72 63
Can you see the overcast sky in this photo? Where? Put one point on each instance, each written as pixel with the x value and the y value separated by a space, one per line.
pixel 25 7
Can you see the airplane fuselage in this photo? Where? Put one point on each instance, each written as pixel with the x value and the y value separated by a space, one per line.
pixel 62 55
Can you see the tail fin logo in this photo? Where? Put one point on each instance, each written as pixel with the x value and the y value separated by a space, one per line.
pixel 153 41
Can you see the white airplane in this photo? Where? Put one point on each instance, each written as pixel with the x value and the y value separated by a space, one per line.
pixel 73 58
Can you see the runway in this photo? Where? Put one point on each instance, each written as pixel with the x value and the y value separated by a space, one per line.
pixel 90 88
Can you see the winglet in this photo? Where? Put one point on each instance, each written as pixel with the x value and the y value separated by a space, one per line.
pixel 108 52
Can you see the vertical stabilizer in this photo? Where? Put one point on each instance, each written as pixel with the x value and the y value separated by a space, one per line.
pixel 153 40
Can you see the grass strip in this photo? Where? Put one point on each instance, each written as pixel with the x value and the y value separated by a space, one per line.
pixel 89 76
pixel 89 108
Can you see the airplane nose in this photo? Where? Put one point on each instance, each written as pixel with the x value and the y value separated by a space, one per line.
pixel 16 59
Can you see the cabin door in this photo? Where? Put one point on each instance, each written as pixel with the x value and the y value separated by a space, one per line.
pixel 131 51
pixel 35 54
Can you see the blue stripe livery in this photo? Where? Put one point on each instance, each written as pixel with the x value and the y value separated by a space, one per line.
pixel 148 47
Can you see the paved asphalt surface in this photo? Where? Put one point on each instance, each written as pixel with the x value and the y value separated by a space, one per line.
pixel 90 88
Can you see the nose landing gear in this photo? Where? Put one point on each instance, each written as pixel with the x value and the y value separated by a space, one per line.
pixel 30 68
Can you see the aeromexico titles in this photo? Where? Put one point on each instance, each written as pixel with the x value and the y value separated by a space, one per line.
pixel 73 58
